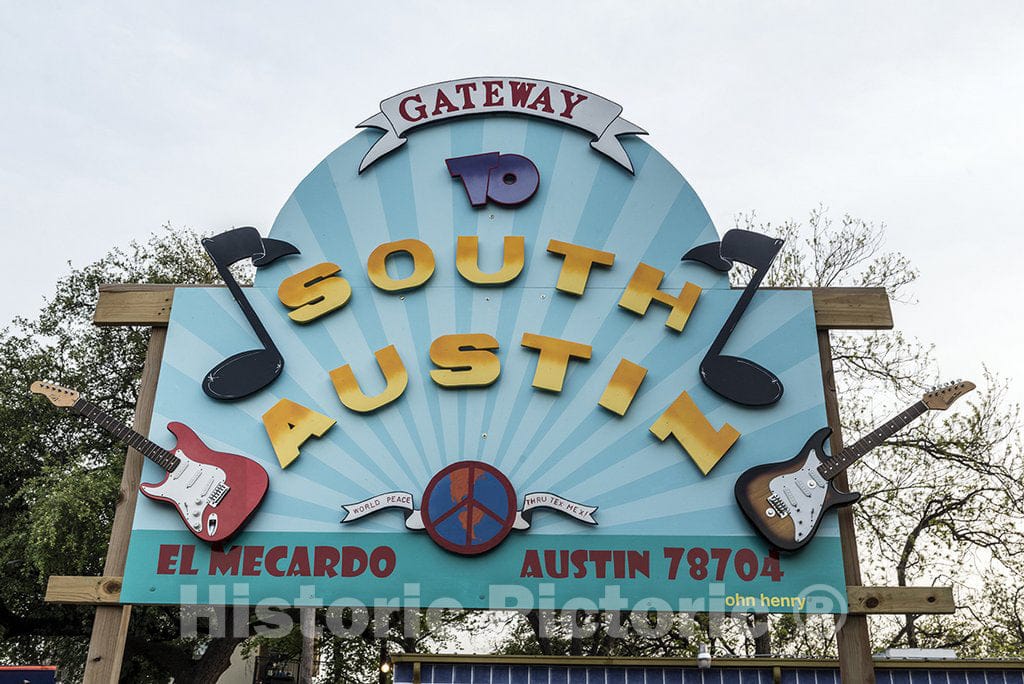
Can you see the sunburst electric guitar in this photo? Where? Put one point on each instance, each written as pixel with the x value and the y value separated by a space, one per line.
pixel 213 492
pixel 786 501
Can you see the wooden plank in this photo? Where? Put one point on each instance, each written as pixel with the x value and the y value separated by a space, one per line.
pixel 86 591
pixel 901 600
pixel 95 591
pixel 134 305
pixel 852 308
pixel 835 308
pixel 110 628
pixel 852 638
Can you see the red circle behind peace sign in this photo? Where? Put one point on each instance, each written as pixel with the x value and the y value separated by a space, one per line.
pixel 469 507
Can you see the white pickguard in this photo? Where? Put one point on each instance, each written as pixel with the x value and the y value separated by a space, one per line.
pixel 800 496
pixel 192 487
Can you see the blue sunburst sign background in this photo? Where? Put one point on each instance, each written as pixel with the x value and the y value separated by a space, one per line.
pixel 651 498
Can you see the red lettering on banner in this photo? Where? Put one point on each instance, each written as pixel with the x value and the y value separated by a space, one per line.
pixel 270 561
pixel 491 92
pixel 638 562
pixel 441 100
pixel 300 562
pixel 599 563
pixel 543 100
pixel 324 560
pixel 570 103
pixel 353 561
pixel 600 560
pixel 465 89
pixel 719 563
pixel 166 558
pixel 579 558
pixel 328 561
pixel 551 567
pixel 531 565
pixel 619 563
pixel 420 109
pixel 383 561
pixel 521 92
pixel 225 562
pixel 188 554
pixel 252 557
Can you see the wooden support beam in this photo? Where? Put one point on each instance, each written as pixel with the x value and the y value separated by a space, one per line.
pixel 110 628
pixel 83 591
pixel 835 308
pixel 852 637
pixel 134 304
pixel 852 308
pixel 99 591
pixel 900 600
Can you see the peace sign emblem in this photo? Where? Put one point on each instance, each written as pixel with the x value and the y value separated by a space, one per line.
pixel 469 507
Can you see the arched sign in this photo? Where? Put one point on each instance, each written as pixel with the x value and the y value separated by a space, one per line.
pixel 498 378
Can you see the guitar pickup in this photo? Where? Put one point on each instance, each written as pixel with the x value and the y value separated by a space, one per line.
pixel 789 495
pixel 178 472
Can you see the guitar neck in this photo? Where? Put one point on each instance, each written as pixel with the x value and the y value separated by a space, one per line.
pixel 850 454
pixel 151 450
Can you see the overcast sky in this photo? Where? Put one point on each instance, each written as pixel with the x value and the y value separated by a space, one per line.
pixel 118 118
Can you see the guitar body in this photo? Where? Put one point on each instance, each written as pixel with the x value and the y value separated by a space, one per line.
pixel 214 492
pixel 786 501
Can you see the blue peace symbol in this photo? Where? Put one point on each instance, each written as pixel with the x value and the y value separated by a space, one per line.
pixel 469 507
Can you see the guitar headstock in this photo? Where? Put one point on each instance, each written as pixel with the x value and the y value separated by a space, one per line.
pixel 943 396
pixel 58 396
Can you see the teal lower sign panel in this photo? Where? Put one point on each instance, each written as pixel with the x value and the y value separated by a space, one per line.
pixel 613 572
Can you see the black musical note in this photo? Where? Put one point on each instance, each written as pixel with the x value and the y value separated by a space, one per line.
pixel 735 378
pixel 246 372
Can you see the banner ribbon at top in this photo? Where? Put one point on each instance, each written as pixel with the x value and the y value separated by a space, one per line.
pixel 466 97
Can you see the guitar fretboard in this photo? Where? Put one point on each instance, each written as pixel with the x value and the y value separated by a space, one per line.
pixel 850 454
pixel 151 450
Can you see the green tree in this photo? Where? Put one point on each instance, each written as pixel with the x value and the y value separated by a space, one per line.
pixel 942 498
pixel 60 476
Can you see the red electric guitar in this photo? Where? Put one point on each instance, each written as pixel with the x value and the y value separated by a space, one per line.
pixel 213 492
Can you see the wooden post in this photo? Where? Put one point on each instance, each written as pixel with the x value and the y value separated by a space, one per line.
pixel 852 638
pixel 307 628
pixel 110 629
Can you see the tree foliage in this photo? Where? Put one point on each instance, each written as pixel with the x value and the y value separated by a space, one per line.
pixel 60 476
pixel 60 479
pixel 943 498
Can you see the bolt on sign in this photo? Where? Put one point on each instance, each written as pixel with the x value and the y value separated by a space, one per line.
pixel 493 361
